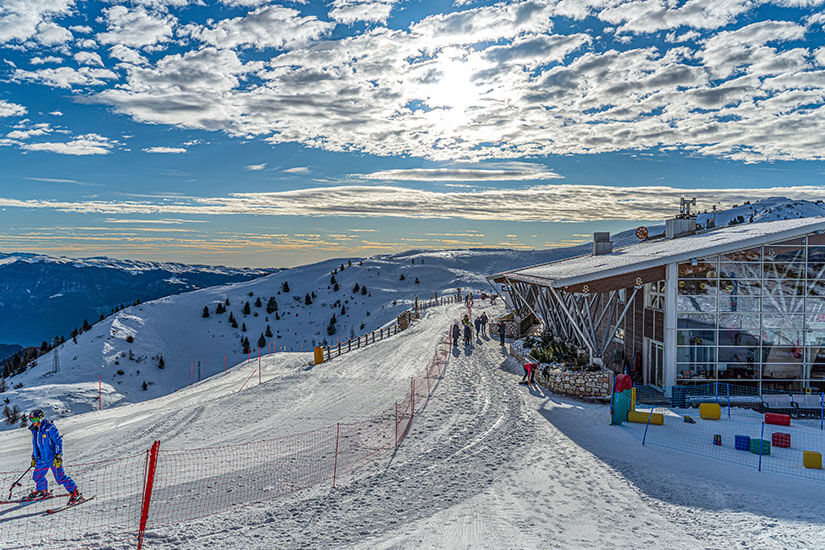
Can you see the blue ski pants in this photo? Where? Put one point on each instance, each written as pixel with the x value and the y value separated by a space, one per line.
pixel 60 477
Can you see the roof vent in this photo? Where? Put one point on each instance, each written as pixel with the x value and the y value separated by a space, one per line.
pixel 684 223
pixel 602 243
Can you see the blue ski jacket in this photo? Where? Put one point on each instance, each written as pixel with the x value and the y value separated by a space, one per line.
pixel 46 442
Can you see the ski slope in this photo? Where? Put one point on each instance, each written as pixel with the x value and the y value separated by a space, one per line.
pixel 487 463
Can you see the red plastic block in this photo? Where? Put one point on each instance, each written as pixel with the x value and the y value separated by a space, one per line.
pixel 778 419
pixel 781 439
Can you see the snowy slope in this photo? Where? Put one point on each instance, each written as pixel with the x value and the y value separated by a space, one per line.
pixel 487 463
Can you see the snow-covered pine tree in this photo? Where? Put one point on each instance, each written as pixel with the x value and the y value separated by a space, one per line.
pixel 246 309
pixel 205 311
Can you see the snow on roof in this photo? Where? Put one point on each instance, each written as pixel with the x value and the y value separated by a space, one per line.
pixel 659 252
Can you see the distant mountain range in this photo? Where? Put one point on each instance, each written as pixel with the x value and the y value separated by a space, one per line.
pixel 42 297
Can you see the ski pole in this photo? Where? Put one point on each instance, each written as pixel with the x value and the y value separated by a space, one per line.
pixel 16 483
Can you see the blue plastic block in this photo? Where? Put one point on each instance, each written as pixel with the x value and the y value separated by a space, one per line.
pixel 742 442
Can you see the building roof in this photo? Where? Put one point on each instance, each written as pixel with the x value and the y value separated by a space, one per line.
pixel 659 252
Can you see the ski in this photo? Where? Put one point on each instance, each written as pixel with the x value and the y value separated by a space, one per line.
pixel 67 506
pixel 27 501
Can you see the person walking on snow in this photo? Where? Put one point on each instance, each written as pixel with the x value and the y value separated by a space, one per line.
pixel 483 322
pixel 468 334
pixel 47 452
pixel 501 330
pixel 477 326
pixel 456 332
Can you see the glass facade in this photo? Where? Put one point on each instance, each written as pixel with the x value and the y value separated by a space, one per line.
pixel 754 317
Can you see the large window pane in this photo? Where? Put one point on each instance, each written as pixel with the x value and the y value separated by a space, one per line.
pixel 779 320
pixel 738 337
pixel 781 337
pixel 729 354
pixel 702 270
pixel 816 358
pixel 815 305
pixel 782 354
pixel 696 303
pixel 816 288
pixel 695 354
pixel 738 303
pixel 687 371
pixel 740 270
pixel 739 321
pixel 703 321
pixel 737 371
pixel 696 337
pixel 780 371
pixel 749 255
pixel 785 270
pixel 697 287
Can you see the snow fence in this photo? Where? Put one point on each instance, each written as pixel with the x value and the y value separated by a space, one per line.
pixel 739 435
pixel 162 487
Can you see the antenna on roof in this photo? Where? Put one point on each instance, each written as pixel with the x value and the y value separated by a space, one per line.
pixel 684 206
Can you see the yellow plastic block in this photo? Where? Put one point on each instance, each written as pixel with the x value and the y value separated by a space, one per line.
pixel 642 416
pixel 812 459
pixel 319 355
pixel 632 399
pixel 710 411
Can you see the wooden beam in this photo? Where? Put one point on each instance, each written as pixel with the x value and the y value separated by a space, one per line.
pixel 626 280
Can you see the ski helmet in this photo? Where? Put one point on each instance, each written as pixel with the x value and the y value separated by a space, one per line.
pixel 36 415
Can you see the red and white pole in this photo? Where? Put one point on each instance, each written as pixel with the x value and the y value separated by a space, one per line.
pixel 259 365
pixel 192 374
pixel 224 363
pixel 99 392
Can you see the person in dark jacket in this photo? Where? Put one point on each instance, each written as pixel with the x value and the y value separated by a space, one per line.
pixel 47 453
pixel 501 330
pixel 456 332
pixel 468 334
pixel 482 321
pixel 477 326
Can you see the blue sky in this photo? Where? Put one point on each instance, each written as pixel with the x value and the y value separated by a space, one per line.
pixel 262 133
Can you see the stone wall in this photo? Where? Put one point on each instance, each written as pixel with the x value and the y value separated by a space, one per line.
pixel 587 384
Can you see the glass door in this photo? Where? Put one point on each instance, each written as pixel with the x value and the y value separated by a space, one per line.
pixel 655 363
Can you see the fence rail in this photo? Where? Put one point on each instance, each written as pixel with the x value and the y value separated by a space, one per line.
pixel 135 494
pixel 336 350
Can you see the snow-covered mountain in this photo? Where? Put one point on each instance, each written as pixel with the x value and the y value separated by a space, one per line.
pixel 42 297
pixel 125 348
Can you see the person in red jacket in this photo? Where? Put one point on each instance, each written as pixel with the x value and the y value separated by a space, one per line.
pixel 529 373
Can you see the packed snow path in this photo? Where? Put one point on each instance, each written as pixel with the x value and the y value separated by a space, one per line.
pixel 487 463
pixel 492 464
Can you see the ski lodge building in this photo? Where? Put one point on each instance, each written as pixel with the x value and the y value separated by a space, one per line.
pixel 743 304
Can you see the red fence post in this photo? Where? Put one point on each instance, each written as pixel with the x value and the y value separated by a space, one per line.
pixel 259 366
pixel 192 374
pixel 412 398
pixel 224 363
pixel 335 467
pixel 396 424
pixel 100 392
pixel 152 457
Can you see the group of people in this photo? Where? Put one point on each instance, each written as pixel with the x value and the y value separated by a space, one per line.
pixel 479 324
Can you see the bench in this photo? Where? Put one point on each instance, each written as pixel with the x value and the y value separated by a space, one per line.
pixel 780 403
pixel 807 405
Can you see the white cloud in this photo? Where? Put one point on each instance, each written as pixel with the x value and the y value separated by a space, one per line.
pixel 88 58
pixel 66 77
pixel 351 11
pixel 56 113
pixel 512 171
pixel 83 145
pixel 245 3
pixel 11 109
pixel 87 44
pixel 52 34
pixel 136 28
pixel 553 203
pixel 265 27
pixel 44 60
pixel 255 167
pixel 165 150
pixel 127 55
pixel 81 29
pixel 19 19
pixel 297 170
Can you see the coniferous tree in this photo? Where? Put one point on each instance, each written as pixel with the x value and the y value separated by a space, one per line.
pixel 343 310
pixel 268 332
pixel 145 387
pixel 341 268
pixel 332 280
pixel 86 325
pixel 417 281
pixel 335 287
pixel 161 363
pixel 308 300
pixel 401 278
pixel 277 316
pixel 243 327
pixel 246 309
pixel 349 263
pixel 206 311
pixel 285 287
pixel 226 301
pixel 44 347
pixel 245 344
pixel 364 289
pixel 258 302
pixel 262 341
pixel 356 288
pixel 271 305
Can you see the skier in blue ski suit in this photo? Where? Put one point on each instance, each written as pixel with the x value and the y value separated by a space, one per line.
pixel 47 452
